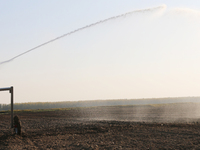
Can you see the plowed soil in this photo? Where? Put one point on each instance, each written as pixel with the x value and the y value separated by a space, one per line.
pixel 172 126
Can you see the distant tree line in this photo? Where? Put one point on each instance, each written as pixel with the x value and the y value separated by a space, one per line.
pixel 68 104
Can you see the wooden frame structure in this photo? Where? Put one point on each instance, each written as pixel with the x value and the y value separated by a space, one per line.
pixel 10 89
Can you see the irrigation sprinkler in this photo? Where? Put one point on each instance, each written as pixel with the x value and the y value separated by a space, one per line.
pixel 10 89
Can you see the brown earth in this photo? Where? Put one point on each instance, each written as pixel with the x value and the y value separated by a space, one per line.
pixel 173 126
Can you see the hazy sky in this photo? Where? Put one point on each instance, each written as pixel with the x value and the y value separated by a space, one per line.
pixel 154 53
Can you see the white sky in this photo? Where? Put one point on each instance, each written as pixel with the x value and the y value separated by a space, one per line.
pixel 143 55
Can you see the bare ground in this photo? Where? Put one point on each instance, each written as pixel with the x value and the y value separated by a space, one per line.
pixel 115 127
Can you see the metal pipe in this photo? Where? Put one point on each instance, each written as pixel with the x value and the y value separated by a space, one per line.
pixel 10 89
pixel 5 89
pixel 12 99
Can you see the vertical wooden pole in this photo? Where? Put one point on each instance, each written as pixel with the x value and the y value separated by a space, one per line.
pixel 12 96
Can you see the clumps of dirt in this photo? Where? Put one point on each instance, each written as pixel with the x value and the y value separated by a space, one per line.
pixel 76 129
pixel 106 135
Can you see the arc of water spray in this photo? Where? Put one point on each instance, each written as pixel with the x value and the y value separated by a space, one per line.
pixel 82 28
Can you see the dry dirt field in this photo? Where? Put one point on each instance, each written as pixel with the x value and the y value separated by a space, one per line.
pixel 173 126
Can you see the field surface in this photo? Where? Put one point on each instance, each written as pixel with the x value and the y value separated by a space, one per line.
pixel 173 126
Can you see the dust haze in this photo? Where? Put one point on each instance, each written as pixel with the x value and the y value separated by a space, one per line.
pixel 154 113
